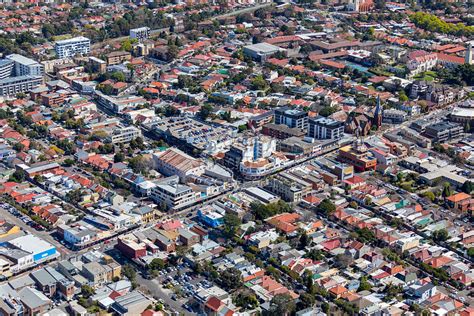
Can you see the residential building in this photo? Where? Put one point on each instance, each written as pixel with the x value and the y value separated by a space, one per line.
pixel 6 68
pixel 140 33
pixel 170 193
pixel 420 61
pixel 26 66
pixel 281 131
pixel 291 117
pixel 123 134
pixel 77 46
pixel 13 85
pixel 95 272
pixel 290 187
pixel 98 64
pixel 117 57
pixel 394 116
pixel 325 128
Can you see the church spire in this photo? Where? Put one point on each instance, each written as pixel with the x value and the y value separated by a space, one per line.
pixel 378 113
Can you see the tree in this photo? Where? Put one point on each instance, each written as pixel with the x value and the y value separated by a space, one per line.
pixel 38 178
pixel 447 190
pixel 430 195
pixel 314 255
pixel 327 111
pixel 18 147
pixel 259 83
pixel 391 291
pixel 304 241
pixel 157 264
pixel 364 285
pixel 354 204
pixel 468 187
pixel 231 278
pixel 470 252
pixel 402 96
pixel 129 272
pixel 325 308
pixel 242 128
pixel 246 300
pixel 173 51
pixel 126 45
pixel 138 164
pixel 68 162
pixel 467 127
pixel 282 304
pixel 327 207
pixel 231 223
pixel 18 176
pixel 440 235
pixel 118 76
pixel 306 300
pixel 365 235
pixel 87 291
pixel 74 196
pixel 263 211
pixel 205 111
pixel 342 261
pixel 119 157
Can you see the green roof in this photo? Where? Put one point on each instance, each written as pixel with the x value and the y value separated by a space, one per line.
pixel 424 221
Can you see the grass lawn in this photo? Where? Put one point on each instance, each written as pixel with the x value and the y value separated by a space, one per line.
pixel 427 76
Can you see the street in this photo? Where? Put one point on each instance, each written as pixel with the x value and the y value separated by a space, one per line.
pixel 42 234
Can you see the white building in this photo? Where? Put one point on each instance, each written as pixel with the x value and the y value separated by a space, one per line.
pixel 140 33
pixel 421 61
pixel 394 116
pixel 123 134
pixel 171 193
pixel 25 66
pixel 325 128
pixel 13 85
pixel 6 68
pixel 72 47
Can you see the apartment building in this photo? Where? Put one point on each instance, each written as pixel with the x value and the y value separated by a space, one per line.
pixel 325 128
pixel 291 117
pixel 290 187
pixel 123 134
pixel 24 66
pixel 281 131
pixel 6 68
pixel 394 116
pixel 77 46
pixel 14 85
pixel 140 33
pixel 172 194
pixel 118 57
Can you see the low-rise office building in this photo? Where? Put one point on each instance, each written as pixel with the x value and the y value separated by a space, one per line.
pixel 443 131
